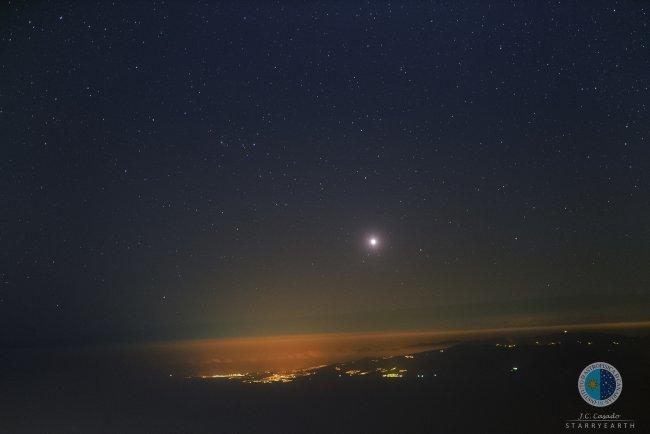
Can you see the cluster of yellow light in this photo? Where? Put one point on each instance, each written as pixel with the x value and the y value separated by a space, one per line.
pixel 275 378
pixel 266 377
pixel 408 356
pixel 235 375
pixel 226 376
pixel 507 345
pixel 393 372
pixel 353 372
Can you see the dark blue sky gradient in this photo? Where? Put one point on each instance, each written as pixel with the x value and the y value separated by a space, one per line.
pixel 188 169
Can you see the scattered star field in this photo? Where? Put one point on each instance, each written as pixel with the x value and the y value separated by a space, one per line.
pixel 219 169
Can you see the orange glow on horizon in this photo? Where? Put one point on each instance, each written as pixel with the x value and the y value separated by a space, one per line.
pixel 289 353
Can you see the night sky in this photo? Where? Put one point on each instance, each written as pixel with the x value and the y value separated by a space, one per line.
pixel 176 170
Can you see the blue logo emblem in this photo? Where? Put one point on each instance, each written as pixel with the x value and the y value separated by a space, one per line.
pixel 600 384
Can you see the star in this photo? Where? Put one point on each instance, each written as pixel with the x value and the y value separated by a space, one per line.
pixel 373 242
